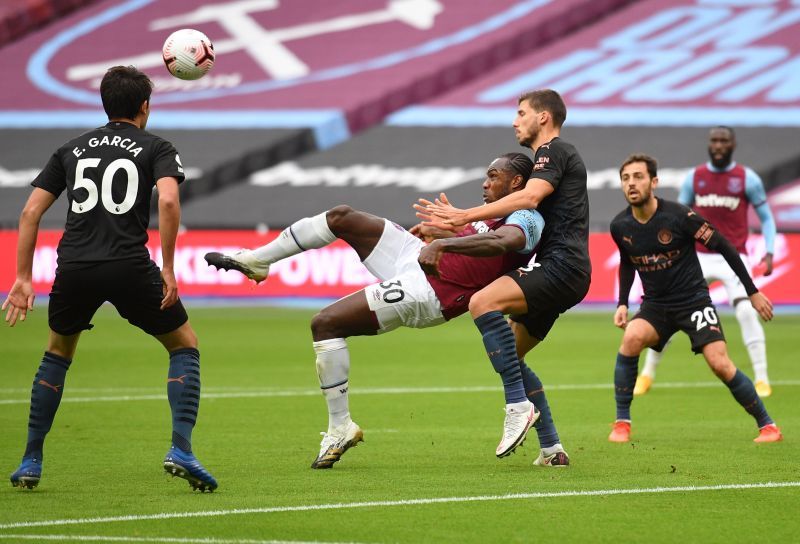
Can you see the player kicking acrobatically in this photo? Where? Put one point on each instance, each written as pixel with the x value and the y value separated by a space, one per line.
pixel 656 238
pixel 109 174
pixel 421 286
pixel 537 296
pixel 721 191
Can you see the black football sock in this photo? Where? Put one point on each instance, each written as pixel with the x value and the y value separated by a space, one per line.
pixel 183 392
pixel 744 392
pixel 48 386
pixel 498 338
pixel 545 427
pixel 624 379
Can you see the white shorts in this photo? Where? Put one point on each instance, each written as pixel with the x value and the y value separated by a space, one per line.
pixel 715 267
pixel 404 298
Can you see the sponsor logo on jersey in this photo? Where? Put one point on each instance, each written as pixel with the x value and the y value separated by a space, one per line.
pixel 717 201
pixel 628 239
pixel 655 261
pixel 665 236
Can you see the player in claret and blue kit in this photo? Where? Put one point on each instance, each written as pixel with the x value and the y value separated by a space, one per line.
pixel 421 286
pixel 109 174
pixel 656 239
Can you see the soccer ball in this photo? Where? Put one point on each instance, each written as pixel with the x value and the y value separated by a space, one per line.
pixel 188 54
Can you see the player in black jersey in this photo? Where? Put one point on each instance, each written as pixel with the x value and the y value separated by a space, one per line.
pixel 536 295
pixel 656 239
pixel 109 174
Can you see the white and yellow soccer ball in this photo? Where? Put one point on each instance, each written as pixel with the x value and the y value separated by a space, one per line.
pixel 188 54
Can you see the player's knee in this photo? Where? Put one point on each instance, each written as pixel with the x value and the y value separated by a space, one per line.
pixel 633 343
pixel 481 303
pixel 339 217
pixel 325 326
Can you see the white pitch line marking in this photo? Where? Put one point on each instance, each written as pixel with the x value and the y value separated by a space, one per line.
pixel 403 502
pixel 239 394
pixel 166 540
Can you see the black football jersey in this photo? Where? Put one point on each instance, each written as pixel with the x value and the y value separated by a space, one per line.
pixel 109 174
pixel 663 252
pixel 565 238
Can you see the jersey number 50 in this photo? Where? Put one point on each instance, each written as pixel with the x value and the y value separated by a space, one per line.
pixel 132 188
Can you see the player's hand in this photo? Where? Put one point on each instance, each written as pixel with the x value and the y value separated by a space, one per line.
pixel 762 304
pixel 19 302
pixel 170 288
pixel 767 263
pixel 443 210
pixel 429 258
pixel 621 316
pixel 428 233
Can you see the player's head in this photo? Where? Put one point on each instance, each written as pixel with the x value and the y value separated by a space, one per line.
pixel 506 174
pixel 721 143
pixel 537 110
pixel 639 176
pixel 126 94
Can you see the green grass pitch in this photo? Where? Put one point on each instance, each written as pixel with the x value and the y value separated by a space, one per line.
pixel 430 406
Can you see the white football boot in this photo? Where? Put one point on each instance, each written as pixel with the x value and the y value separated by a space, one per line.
pixel 520 417
pixel 336 442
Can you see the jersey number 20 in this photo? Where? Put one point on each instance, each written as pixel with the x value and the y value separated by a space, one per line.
pixel 705 318
pixel 132 188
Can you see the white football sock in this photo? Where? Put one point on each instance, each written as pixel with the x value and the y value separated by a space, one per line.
pixel 333 370
pixel 651 362
pixel 754 339
pixel 307 233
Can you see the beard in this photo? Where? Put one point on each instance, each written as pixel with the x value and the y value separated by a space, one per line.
pixel 722 162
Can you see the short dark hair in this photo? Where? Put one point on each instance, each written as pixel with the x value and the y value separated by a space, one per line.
pixel 123 90
pixel 547 100
pixel 652 164
pixel 725 127
pixel 520 164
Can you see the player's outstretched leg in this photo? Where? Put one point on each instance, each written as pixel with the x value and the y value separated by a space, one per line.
pixel 645 380
pixel 183 392
pixel 307 233
pixel 624 379
pixel 48 386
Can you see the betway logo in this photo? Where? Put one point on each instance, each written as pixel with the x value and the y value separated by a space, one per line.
pixel 424 180
pixel 717 201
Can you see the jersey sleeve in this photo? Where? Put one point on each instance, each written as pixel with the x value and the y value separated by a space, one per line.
pixel 757 195
pixel 686 194
pixel 532 223
pixel 713 240
pixel 626 270
pixel 53 178
pixel 167 162
pixel 549 164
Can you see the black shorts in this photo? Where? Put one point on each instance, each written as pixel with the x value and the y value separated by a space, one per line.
pixel 697 319
pixel 133 286
pixel 549 292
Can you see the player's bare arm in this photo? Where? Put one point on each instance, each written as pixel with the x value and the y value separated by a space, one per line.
pixel 21 296
pixel 169 218
pixel 497 242
pixel 534 192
